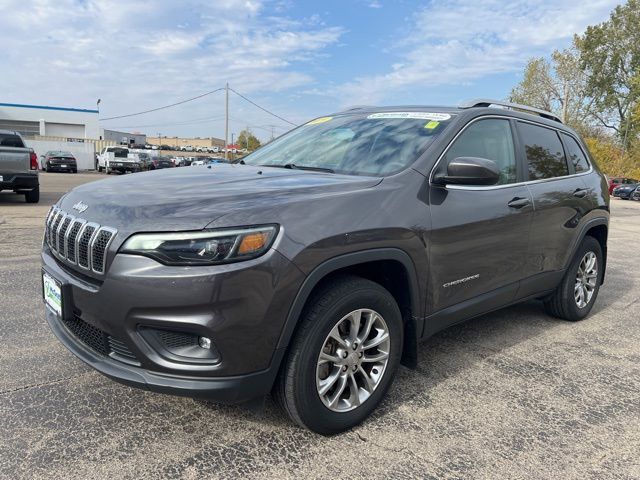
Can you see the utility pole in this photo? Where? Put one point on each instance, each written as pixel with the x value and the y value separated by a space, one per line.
pixel 226 123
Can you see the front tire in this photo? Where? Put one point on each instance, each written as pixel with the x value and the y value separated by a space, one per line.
pixel 573 299
pixel 344 356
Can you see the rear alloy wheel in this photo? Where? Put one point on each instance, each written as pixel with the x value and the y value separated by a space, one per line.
pixel 343 357
pixel 576 294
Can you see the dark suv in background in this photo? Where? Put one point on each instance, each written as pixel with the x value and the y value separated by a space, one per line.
pixel 314 266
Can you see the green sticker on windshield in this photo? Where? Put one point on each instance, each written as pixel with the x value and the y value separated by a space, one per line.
pixel 432 124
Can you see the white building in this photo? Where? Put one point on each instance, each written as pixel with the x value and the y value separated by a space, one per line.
pixel 29 120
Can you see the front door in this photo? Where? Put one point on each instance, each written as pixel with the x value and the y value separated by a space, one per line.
pixel 480 234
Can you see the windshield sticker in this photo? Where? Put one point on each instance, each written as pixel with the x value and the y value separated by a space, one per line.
pixel 414 115
pixel 319 120
pixel 432 124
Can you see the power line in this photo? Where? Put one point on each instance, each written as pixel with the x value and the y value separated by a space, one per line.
pixel 166 106
pixel 175 124
pixel 262 108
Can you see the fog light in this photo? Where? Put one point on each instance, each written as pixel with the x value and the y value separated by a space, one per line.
pixel 204 342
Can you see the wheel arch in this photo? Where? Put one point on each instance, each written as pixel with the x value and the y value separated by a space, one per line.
pixel 597 228
pixel 390 267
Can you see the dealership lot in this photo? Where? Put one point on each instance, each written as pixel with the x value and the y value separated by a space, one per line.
pixel 513 394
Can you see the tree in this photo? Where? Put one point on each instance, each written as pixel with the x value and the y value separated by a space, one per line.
pixel 558 86
pixel 610 57
pixel 247 140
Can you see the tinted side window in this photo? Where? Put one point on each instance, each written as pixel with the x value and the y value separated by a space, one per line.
pixel 575 154
pixel 490 139
pixel 545 155
pixel 10 140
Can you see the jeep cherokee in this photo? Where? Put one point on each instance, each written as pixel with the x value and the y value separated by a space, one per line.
pixel 313 267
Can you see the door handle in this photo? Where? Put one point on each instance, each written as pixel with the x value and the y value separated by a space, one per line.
pixel 519 202
pixel 580 192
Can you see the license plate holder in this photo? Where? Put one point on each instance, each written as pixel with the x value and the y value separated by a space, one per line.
pixel 52 293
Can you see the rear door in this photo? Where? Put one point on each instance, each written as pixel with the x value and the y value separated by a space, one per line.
pixel 560 197
pixel 14 158
pixel 480 234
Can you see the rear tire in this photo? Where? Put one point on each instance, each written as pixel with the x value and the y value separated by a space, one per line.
pixel 325 353
pixel 33 196
pixel 573 299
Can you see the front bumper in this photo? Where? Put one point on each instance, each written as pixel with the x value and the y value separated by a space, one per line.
pixel 19 181
pixel 231 389
pixel 240 307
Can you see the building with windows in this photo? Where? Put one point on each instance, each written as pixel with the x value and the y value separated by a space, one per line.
pixel 124 138
pixel 31 120
pixel 177 142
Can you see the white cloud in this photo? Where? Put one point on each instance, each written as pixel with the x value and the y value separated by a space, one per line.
pixel 458 41
pixel 137 55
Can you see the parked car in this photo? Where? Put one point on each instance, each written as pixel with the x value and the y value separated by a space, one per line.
pixel 636 194
pixel 624 191
pixel 197 163
pixel 18 167
pixel 618 181
pixel 161 162
pixel 144 159
pixel 59 161
pixel 313 267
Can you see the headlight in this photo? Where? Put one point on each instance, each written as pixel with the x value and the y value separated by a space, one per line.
pixel 211 247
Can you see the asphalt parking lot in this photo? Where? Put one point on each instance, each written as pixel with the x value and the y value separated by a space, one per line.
pixel 513 394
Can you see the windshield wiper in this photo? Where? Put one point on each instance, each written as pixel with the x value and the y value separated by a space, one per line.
pixel 293 166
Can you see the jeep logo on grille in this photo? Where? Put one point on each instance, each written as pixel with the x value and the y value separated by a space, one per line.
pixel 80 207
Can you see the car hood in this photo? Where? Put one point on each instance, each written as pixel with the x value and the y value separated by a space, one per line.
pixel 190 198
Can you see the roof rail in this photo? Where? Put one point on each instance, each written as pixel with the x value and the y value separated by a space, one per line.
pixel 485 102
pixel 356 107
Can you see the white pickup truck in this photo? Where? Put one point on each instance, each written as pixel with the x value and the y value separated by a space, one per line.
pixel 118 159
pixel 18 167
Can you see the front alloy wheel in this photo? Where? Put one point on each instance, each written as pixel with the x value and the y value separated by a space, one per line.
pixel 352 360
pixel 343 357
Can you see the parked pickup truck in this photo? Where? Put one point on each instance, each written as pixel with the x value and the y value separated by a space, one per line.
pixel 118 159
pixel 18 166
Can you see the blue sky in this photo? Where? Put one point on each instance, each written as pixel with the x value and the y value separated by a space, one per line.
pixel 298 59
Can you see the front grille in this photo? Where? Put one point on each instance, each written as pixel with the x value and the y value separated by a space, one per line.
pixel 99 341
pixel 91 336
pixel 77 241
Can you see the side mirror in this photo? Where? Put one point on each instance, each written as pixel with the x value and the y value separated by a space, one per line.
pixel 469 171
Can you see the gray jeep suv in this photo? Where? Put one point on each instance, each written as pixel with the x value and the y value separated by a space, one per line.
pixel 313 267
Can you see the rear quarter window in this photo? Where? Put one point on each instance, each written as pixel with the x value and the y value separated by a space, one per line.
pixel 10 140
pixel 575 154
pixel 544 152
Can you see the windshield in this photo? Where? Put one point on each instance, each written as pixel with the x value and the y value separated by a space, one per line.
pixel 376 144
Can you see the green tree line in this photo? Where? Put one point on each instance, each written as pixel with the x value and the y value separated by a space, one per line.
pixel 594 87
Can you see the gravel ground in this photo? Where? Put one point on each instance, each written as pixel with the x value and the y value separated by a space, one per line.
pixel 513 394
